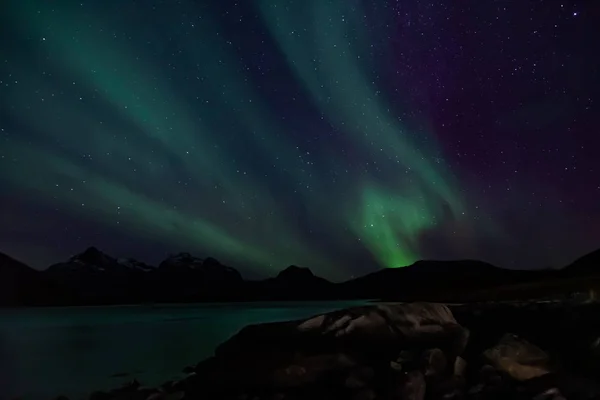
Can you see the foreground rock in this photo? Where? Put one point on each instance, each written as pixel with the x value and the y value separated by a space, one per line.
pixel 387 351
pixel 519 359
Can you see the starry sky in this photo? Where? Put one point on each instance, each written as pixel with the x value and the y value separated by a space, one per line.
pixel 341 135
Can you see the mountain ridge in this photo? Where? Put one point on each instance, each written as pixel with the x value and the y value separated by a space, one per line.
pixel 94 277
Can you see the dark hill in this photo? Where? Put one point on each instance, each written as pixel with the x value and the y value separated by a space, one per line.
pixel 100 278
pixel 184 277
pixel 433 280
pixel 93 277
pixel 586 265
pixel 293 283
pixel 21 285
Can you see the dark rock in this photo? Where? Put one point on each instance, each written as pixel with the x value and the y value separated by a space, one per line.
pixel 354 382
pixel 175 396
pixel 100 395
pixel 384 351
pixel 166 396
pixel 550 394
pixel 298 353
pixel 518 358
pixel 433 363
pixel 189 369
pixel 183 383
pixel 575 387
pixel 476 391
pixel 413 387
pixel 365 372
pixel 406 356
pixel 388 325
pixel 460 367
pixel 489 375
pixel 166 386
pixel 406 360
pixel 365 394
pixel 310 369
pixel 141 393
pixel 359 377
pixel 128 386
pixel 396 366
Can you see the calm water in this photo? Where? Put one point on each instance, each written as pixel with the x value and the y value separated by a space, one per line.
pixel 49 351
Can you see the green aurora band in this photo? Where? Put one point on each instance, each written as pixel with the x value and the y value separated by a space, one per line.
pixel 156 135
pixel 391 217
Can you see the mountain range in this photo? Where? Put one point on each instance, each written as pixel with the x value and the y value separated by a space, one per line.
pixel 93 277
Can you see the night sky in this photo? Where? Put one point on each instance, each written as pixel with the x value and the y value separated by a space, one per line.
pixel 341 135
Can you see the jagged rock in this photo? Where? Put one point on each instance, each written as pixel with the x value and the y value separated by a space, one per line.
pixel 383 351
pixel 299 354
pixel 413 387
pixel 406 356
pixel 396 366
pixel 389 324
pixel 550 394
pixel 460 367
pixel 518 358
pixel 183 383
pixel 189 369
pixel 309 369
pixel 128 386
pixel 433 362
pixel 489 375
pixel 476 391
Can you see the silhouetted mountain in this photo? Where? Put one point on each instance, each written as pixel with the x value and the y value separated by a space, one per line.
pixel 93 277
pixel 293 283
pixel 587 265
pixel 188 278
pixel 432 280
pixel 101 278
pixel 98 277
pixel 208 269
pixel 21 285
pixel 293 275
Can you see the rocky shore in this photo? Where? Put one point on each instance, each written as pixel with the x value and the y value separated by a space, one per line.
pixel 412 351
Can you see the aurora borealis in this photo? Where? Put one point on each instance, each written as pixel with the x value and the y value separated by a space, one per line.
pixel 339 135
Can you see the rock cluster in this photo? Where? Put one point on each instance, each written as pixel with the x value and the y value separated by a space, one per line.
pixel 384 351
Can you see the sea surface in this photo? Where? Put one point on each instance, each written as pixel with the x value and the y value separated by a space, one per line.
pixel 45 352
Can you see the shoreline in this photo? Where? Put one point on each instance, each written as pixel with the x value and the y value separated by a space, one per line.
pixel 553 334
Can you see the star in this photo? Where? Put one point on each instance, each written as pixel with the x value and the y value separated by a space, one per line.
pixel 343 138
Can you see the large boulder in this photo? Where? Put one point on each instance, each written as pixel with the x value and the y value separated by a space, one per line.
pixel 380 327
pixel 334 346
pixel 518 358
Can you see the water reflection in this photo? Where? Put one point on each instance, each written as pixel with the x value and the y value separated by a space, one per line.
pixel 71 351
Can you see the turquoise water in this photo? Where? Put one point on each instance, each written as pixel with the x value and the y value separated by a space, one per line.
pixel 75 350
